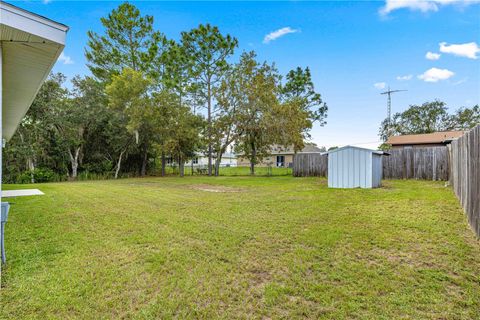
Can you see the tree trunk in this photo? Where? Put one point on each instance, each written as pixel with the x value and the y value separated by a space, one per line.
pixel 253 159
pixel 209 124
pixel 181 166
pixel 163 164
pixel 30 163
pixel 191 166
pixel 31 168
pixel 217 164
pixel 118 164
pixel 74 171
pixel 143 171
pixel 74 162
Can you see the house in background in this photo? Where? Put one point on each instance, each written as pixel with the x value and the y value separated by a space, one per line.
pixel 229 159
pixel 279 156
pixel 434 139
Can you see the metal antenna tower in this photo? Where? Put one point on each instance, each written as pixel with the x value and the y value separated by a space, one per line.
pixel 389 103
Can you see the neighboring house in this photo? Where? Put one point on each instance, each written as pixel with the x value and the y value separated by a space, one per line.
pixel 201 160
pixel 423 140
pixel 279 156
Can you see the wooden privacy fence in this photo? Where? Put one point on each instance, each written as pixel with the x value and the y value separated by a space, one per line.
pixel 465 174
pixel 310 165
pixel 427 163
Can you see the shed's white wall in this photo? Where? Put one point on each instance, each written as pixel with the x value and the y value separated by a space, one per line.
pixel 377 170
pixel 353 168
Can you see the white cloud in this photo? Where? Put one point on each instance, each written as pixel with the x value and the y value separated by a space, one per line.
pixel 65 59
pixel 405 78
pixel 424 6
pixel 46 1
pixel 421 5
pixel 435 75
pixel 467 50
pixel 432 56
pixel 278 33
pixel 380 85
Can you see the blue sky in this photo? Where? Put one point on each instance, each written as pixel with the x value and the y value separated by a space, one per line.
pixel 353 49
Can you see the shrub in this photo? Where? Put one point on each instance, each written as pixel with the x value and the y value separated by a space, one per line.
pixel 39 175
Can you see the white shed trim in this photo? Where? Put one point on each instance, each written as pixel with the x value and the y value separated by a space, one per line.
pixel 345 147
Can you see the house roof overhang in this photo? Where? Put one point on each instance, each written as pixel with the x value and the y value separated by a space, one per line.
pixel 426 138
pixel 30 46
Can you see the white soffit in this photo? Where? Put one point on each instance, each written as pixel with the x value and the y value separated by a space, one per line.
pixel 30 45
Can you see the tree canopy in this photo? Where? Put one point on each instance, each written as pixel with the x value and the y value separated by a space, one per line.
pixel 207 50
pixel 427 118
pixel 151 98
pixel 129 41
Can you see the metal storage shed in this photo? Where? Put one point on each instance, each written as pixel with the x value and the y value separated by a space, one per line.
pixel 354 167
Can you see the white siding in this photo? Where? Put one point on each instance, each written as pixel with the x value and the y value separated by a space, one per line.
pixel 203 162
pixel 377 170
pixel 351 167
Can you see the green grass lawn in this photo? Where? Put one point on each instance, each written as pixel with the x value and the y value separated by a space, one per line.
pixel 239 247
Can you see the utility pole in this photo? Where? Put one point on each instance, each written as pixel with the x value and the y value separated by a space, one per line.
pixel 389 105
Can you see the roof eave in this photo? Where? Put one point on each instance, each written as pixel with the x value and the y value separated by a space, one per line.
pixel 25 32
pixel 20 19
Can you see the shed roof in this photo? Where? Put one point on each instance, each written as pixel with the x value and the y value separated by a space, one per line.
pixel 380 152
pixel 427 138
pixel 31 44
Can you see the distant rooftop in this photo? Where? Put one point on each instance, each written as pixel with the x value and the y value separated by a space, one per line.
pixel 426 138
pixel 225 155
pixel 308 148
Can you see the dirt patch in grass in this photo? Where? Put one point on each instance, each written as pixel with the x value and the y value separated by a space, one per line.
pixel 214 188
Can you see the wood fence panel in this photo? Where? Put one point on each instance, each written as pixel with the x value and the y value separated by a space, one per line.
pixel 310 165
pixel 465 175
pixel 427 163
